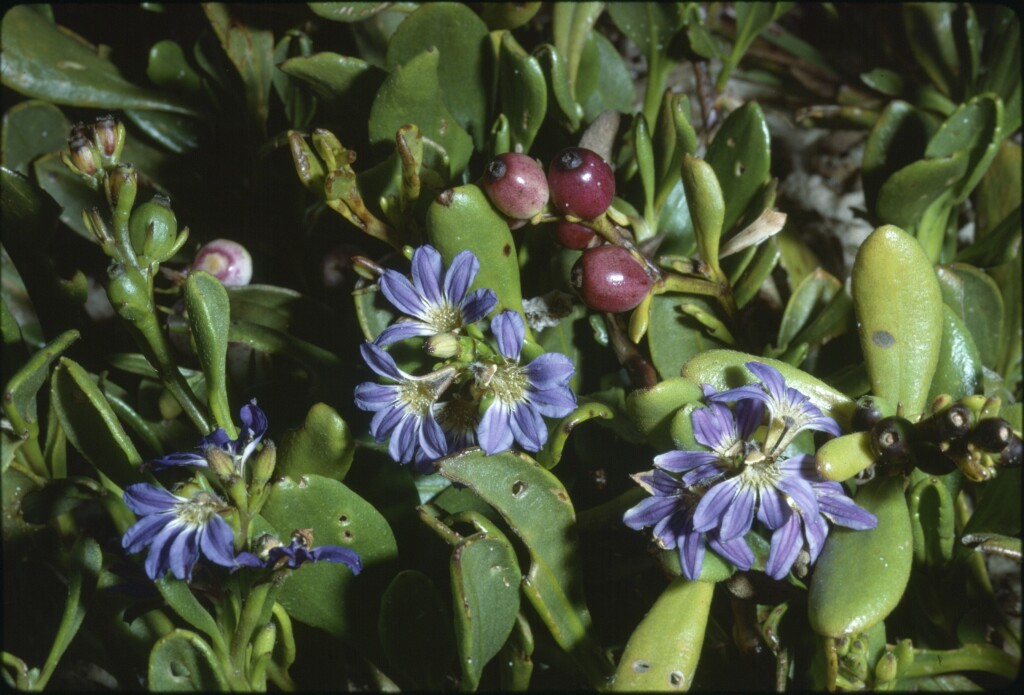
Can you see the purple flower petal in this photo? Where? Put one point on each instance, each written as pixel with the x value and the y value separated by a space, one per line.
pixel 550 370
pixel 735 550
pixel 528 427
pixel 738 516
pixel 702 475
pixel 402 330
pixel 494 431
pixel 426 273
pixel 679 461
pixel 217 542
pixel 815 531
pixel 691 555
pixel 339 555
pixel 714 427
pixel 784 548
pixel 401 293
pixel 555 402
pixel 843 511
pixel 145 499
pixel 771 377
pixel 253 419
pixel 510 332
pixel 432 440
pixel 385 421
pixel 373 396
pixel 461 272
pixel 184 553
pixel 649 512
pixel 144 531
pixel 749 415
pixel 713 505
pixel 157 562
pixel 800 491
pixel 478 304
pixel 381 362
pixel 402 445
pixel 773 510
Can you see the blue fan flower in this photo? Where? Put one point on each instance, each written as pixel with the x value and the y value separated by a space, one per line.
pixel 434 301
pixel 177 530
pixel 298 552
pixel 254 426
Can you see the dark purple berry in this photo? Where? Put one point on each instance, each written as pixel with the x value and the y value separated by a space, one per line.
pixel 516 185
pixel 992 434
pixel 609 278
pixel 866 414
pixel 582 184
pixel 893 438
pixel 573 235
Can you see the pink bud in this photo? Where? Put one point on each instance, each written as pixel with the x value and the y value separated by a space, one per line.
pixel 226 260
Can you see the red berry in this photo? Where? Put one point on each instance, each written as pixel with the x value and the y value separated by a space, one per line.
pixel 582 184
pixel 609 278
pixel 516 185
pixel 573 235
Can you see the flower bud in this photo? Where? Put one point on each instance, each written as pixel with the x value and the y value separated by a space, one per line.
pixel 109 135
pixel 154 229
pixel 263 463
pixel 221 463
pixel 885 669
pixel 263 645
pixel 443 345
pixel 226 260
pixel 121 185
pixel 82 158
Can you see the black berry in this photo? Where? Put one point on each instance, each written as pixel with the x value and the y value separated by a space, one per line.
pixel 609 278
pixel 516 185
pixel 582 184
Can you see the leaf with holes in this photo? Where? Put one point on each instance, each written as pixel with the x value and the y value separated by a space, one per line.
pixel 741 157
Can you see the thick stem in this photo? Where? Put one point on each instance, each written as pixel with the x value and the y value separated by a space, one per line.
pixel 970 657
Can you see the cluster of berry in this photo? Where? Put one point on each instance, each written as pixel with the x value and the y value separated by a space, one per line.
pixel 579 185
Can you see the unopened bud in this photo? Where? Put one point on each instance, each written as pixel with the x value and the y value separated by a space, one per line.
pixel 109 137
pixel 128 291
pixel 263 645
pixel 885 670
pixel 154 229
pixel 443 346
pixel 121 185
pixel 263 463
pixel 226 260
pixel 82 158
pixel 221 463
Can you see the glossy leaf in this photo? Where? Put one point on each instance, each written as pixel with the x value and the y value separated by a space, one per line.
pixel 929 36
pixel 460 37
pixel 551 454
pixel 861 575
pixel 977 301
pixel 663 652
pixel 1001 55
pixel 724 369
pixel 761 266
pixel 740 155
pixel 68 190
pixel 19 402
pixel 649 25
pixel 652 409
pixel 706 201
pixel 673 337
pixel 179 597
pixel 91 425
pixel 335 78
pixel 43 62
pixel 326 595
pixel 182 662
pixel 32 128
pixel 524 92
pixel 899 313
pixel 177 133
pixel 959 369
pixel 323 446
pixel 209 316
pixel 603 81
pixel 556 72
pixel 416 631
pixel 462 218
pixel 537 508
pixel 251 51
pixel 999 192
pixel 347 11
pixel 485 599
pixel 976 128
pixel 810 297
pixel 898 138
pixel 908 193
pixel 299 104
pixel 169 68
pixel 279 342
pixel 412 94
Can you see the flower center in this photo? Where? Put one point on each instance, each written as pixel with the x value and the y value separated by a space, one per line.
pixel 199 510
pixel 417 397
pixel 444 317
pixel 759 471
pixel 509 383
pixel 458 415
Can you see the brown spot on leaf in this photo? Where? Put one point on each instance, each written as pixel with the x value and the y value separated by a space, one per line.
pixel 446 197
pixel 506 250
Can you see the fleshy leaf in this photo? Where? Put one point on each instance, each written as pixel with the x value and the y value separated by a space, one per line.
pixel 740 155
pixel 181 661
pixel 323 446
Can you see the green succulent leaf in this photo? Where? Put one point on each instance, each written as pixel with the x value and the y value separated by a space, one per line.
pixel 30 129
pixel 928 33
pixel 603 81
pixel 412 94
pixel 460 38
pixel 959 369
pixel 326 595
pixel 524 92
pixel 977 302
pixel 861 575
pixel 898 139
pixel 673 337
pixel 91 425
pixel 347 11
pixel 556 72
pixel 322 446
pixel 663 652
pixel 209 317
pixel 706 201
pixel 19 402
pixel 182 662
pixel 810 297
pixel 974 128
pixel 740 155
pixel 845 456
pixel 251 51
pixel 485 599
pixel 169 68
pixel 535 505
pixel 41 61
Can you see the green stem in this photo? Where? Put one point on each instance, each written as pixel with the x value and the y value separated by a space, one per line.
pixel 970 657
pixel 286 637
pixel 20 668
pixel 249 620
